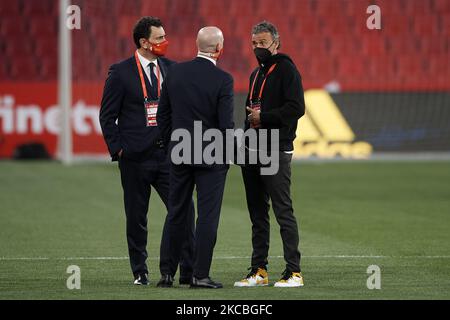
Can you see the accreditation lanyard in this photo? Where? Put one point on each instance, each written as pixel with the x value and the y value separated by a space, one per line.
pixel 151 106
pixel 141 75
pixel 262 86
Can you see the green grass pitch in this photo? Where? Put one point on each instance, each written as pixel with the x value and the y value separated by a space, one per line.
pixel 351 214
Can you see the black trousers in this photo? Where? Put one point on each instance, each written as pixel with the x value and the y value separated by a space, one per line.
pixel 259 189
pixel 210 183
pixel 137 177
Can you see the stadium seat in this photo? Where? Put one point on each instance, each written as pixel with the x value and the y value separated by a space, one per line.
pixel 434 45
pixel 401 45
pixel 9 26
pixel 126 7
pixel 239 8
pixel 445 25
pixel 442 6
pixel 344 45
pixel 299 8
pixel 396 24
pixel 351 68
pixel 46 47
pixel 38 7
pixel 329 8
pixel 357 8
pixel 25 69
pixel 182 8
pixel 9 8
pixel 18 45
pixel 373 44
pixel 157 8
pixel 425 25
pixel 49 68
pixel 306 25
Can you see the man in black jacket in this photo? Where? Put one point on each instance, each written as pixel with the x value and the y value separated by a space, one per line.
pixel 196 96
pixel 128 121
pixel 275 101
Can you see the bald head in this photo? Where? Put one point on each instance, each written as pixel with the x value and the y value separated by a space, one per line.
pixel 209 39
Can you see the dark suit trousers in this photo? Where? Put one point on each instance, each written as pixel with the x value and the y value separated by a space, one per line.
pixel 137 178
pixel 210 183
pixel 259 189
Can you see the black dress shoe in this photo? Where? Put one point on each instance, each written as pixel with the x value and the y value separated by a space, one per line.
pixel 166 281
pixel 185 280
pixel 141 279
pixel 206 283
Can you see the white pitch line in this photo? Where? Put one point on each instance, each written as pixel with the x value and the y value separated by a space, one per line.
pixel 228 257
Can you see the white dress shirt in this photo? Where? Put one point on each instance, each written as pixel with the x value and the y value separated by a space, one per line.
pixel 145 65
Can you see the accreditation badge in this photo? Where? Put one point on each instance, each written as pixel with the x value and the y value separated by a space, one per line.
pixel 151 108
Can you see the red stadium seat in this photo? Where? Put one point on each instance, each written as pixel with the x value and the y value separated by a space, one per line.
pixel 418 7
pixel 396 24
pixel 425 25
pixel 373 44
pixel 4 73
pixel 38 7
pixel 299 8
pixel 445 24
pixel 9 26
pixel 352 67
pixel 239 8
pixel 49 68
pixel 442 6
pixel 312 45
pixel 357 8
pixel 46 46
pixel 329 8
pixel 182 8
pixel 157 8
pixel 306 25
pixel 18 45
pixel 410 66
pixel 126 7
pixel 344 45
pixel 25 68
pixel 436 45
pixel 338 25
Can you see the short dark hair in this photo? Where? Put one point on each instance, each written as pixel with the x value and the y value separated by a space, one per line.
pixel 266 26
pixel 142 28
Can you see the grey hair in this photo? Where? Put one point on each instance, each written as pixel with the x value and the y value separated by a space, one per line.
pixel 266 26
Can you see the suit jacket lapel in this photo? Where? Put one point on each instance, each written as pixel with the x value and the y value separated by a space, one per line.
pixel 162 67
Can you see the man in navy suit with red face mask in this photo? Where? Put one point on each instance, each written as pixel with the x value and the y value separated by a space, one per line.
pixel 128 120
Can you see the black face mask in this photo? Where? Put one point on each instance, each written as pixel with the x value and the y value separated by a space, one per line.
pixel 263 54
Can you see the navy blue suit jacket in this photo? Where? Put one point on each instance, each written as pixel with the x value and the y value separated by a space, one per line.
pixel 123 101
pixel 196 90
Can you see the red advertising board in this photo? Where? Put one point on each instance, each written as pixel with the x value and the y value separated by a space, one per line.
pixel 29 112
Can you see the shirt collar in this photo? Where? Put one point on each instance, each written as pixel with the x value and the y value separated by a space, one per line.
pixel 207 58
pixel 144 61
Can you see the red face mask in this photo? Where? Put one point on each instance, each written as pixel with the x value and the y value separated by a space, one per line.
pixel 159 49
